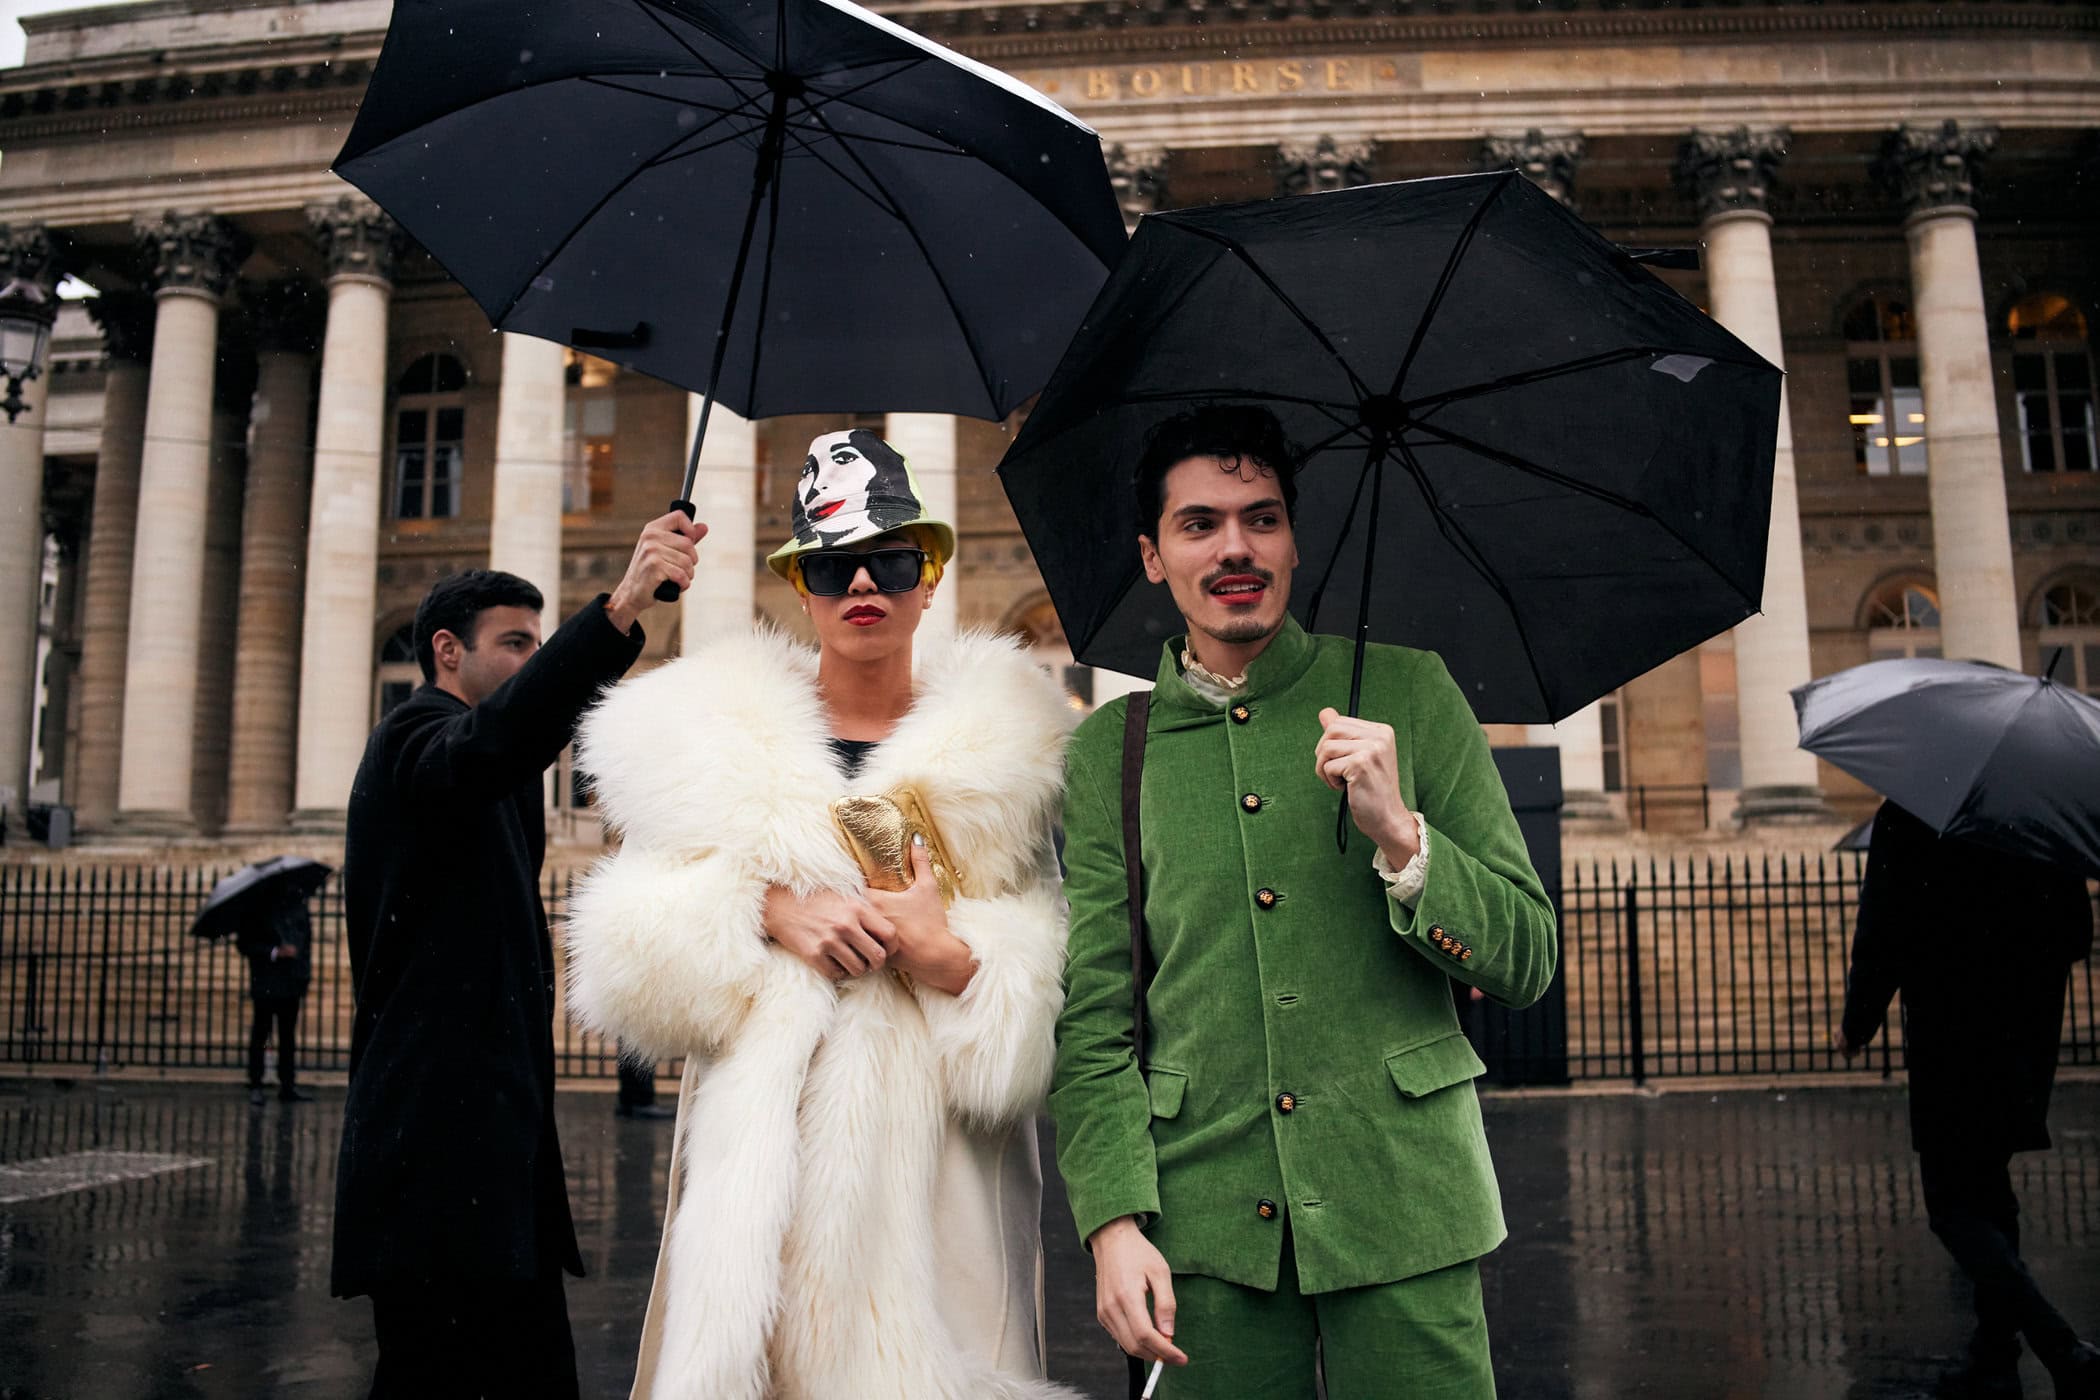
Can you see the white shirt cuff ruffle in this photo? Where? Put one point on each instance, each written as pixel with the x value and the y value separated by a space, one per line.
pixel 1406 884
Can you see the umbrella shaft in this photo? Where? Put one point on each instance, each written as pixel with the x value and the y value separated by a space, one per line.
pixel 1375 465
pixel 761 180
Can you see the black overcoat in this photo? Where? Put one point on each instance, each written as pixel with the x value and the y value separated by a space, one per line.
pixel 450 1169
pixel 1980 944
pixel 286 925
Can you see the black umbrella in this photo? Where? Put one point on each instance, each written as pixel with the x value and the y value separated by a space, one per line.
pixel 1970 749
pixel 1582 458
pixel 251 891
pixel 910 230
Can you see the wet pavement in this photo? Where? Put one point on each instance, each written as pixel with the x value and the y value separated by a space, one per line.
pixel 162 1241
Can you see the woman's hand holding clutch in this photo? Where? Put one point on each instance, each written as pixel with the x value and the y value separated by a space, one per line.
pixel 920 943
pixel 837 936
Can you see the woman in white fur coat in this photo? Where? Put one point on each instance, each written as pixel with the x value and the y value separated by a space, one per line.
pixel 855 1199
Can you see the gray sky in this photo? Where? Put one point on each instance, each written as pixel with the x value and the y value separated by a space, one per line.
pixel 12 10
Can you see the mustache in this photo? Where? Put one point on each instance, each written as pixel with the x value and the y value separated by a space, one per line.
pixel 1218 576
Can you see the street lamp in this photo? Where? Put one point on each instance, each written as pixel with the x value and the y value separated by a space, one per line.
pixel 27 313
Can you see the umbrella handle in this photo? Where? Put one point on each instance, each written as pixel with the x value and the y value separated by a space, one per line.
pixel 667 591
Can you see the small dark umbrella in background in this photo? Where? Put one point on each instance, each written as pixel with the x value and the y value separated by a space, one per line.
pixel 1970 749
pixel 788 208
pixel 242 898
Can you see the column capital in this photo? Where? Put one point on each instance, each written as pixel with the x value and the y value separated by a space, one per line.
pixel 1138 175
pixel 289 314
pixel 358 237
pixel 34 252
pixel 1730 172
pixel 126 321
pixel 1547 161
pixel 1934 168
pixel 1326 163
pixel 196 253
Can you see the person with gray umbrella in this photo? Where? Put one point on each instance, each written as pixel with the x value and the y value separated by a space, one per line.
pixel 279 947
pixel 1979 942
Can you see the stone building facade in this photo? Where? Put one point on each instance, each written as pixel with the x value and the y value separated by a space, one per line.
pixel 277 421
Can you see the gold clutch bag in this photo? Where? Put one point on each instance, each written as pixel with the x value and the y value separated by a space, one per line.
pixel 877 832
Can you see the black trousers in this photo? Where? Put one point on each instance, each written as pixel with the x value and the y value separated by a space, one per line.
pixel 1970 1203
pixel 474 1339
pixel 285 1012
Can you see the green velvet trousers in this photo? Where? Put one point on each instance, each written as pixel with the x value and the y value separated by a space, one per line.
pixel 1423 1338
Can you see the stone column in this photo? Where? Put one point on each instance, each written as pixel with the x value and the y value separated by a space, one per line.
pixel 1934 169
pixel 1326 163
pixel 273 548
pixel 927 441
pixel 1580 739
pixel 126 319
pixel 1138 175
pixel 342 538
pixel 1547 161
pixel 525 525
pixel 194 258
pixel 212 734
pixel 28 251
pixel 724 595
pixel 1729 174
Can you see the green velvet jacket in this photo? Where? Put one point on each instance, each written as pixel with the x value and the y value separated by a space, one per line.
pixel 1304 1059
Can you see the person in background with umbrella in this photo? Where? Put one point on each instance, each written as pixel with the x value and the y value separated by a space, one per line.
pixel 1980 943
pixel 1295 1158
pixel 279 949
pixel 451 1209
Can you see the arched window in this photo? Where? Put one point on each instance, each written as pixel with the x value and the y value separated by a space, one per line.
pixel 2071 634
pixel 2052 383
pixel 1903 619
pixel 590 425
pixel 399 675
pixel 1881 369
pixel 430 430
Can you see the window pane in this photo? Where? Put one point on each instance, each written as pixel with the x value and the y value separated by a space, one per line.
pixel 2078 433
pixel 2073 370
pixel 598 415
pixel 451 424
pixel 440 499
pixel 1907 433
pixel 2030 372
pixel 1918 608
pixel 408 472
pixel 447 375
pixel 1903 371
pixel 392 693
pixel 409 426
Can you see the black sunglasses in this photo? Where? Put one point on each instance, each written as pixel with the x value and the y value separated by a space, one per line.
pixel 828 573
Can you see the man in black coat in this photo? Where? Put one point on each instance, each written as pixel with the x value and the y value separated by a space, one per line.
pixel 1981 944
pixel 279 949
pixel 451 1208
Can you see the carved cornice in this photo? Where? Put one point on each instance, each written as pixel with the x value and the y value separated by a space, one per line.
pixel 126 319
pixel 1547 161
pixel 357 237
pixel 1138 175
pixel 1935 167
pixel 1307 167
pixel 191 252
pixel 1727 172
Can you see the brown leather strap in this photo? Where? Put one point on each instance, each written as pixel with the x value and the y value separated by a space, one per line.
pixel 1134 719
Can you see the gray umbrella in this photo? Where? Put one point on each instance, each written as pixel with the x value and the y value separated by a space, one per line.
pixel 1970 749
pixel 253 888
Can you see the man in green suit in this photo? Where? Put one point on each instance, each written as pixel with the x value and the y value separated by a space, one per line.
pixel 1300 1161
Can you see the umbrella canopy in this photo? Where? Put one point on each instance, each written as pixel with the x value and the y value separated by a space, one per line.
pixel 250 891
pixel 1859 838
pixel 1970 749
pixel 1579 460
pixel 906 229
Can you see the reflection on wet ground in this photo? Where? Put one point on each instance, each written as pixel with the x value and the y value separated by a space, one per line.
pixel 1742 1244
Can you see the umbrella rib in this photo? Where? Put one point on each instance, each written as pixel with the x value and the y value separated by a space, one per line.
pixel 1363 390
pixel 1625 503
pixel 1312 608
pixel 905 66
pixel 593 80
pixel 875 196
pixel 649 9
pixel 765 284
pixel 1528 377
pixel 932 268
pixel 578 227
pixel 1469 551
pixel 1171 395
pixel 662 159
pixel 1443 281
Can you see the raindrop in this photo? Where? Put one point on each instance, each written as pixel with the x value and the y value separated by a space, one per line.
pixel 524 55
pixel 687 117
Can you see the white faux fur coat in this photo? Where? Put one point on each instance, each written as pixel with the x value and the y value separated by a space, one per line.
pixel 856 1199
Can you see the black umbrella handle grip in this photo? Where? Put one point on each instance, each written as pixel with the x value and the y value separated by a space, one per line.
pixel 667 591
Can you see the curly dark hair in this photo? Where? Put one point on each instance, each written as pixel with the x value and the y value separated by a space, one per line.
pixel 1239 433
pixel 453 603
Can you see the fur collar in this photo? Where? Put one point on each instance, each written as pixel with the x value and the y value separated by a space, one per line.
pixel 728 748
